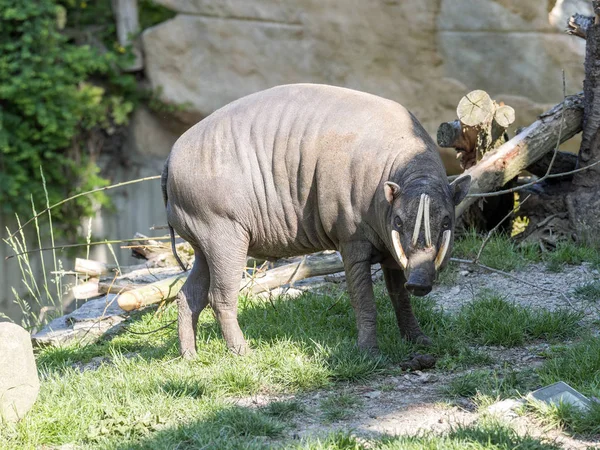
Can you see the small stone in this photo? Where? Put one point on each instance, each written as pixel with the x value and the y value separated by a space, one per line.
pixel 427 378
pixel 455 290
pixel 373 394
pixel 505 407
pixel 19 382
pixel 463 273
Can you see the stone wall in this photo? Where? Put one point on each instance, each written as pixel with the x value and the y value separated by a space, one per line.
pixel 424 54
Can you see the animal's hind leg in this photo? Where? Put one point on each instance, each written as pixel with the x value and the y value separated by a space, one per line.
pixel 191 300
pixel 226 258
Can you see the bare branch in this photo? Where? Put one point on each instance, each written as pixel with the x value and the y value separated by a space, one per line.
pixel 81 194
pixel 493 230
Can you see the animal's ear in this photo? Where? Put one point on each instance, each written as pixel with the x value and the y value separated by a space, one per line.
pixel 391 191
pixel 460 188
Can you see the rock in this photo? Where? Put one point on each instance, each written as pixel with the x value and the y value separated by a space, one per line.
pixel 419 362
pixel 216 51
pixel 87 323
pixel 153 134
pixel 505 408
pixel 373 394
pixel 19 382
pixel 265 10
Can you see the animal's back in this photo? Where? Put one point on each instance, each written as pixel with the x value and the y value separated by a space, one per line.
pixel 296 166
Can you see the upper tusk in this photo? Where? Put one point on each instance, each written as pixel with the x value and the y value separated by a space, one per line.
pixel 417 229
pixel 427 222
pixel 402 259
pixel 439 259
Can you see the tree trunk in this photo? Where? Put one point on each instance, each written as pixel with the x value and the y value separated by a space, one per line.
pixel 128 26
pixel 583 202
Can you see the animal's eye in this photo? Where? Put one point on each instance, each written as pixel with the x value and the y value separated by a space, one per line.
pixel 446 223
pixel 397 222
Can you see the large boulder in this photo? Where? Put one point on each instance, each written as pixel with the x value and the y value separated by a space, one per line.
pixel 425 54
pixel 19 382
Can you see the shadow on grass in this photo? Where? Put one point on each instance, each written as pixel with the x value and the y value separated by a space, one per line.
pixel 243 428
pixel 319 325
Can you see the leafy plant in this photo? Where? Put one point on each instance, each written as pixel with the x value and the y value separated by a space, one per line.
pixel 59 100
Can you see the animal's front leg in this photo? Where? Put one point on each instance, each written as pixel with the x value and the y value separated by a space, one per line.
pixel 407 322
pixel 357 264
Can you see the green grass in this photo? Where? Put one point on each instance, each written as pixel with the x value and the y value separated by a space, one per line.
pixel 283 409
pixel 145 396
pixel 483 385
pixel 484 435
pixel 568 417
pixel 579 366
pixel 493 320
pixel 589 291
pixel 501 252
pixel 339 406
pixel 569 253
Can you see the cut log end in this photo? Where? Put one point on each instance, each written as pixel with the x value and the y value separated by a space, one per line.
pixel 578 25
pixel 449 134
pixel 504 116
pixel 475 109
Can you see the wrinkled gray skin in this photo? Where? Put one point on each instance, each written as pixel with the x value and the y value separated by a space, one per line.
pixel 298 169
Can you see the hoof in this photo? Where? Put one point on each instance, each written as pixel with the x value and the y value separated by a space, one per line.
pixel 188 354
pixel 369 348
pixel 419 338
pixel 240 350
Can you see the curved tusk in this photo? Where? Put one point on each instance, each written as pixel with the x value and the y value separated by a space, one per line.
pixel 439 259
pixel 402 259
pixel 427 222
pixel 417 229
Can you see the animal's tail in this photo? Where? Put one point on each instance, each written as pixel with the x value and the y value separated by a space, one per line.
pixel 163 185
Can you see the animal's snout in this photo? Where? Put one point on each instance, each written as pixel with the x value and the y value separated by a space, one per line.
pixel 420 278
pixel 418 289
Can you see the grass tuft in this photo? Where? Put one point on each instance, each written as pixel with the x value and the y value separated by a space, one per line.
pixel 577 365
pixel 589 291
pixel 569 253
pixel 492 320
pixel 283 409
pixel 483 384
pixel 245 422
pixel 501 252
pixel 568 417
pixel 339 406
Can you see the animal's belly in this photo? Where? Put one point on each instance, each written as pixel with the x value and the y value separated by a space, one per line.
pixel 274 250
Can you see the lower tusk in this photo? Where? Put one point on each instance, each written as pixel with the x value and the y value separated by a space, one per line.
pixel 439 259
pixel 402 259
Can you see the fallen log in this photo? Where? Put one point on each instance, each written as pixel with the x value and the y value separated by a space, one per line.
pixel 92 268
pixel 500 166
pixel 160 291
pixel 309 266
pixel 167 289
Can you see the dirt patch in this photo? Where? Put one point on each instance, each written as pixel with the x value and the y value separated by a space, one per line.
pixel 537 287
